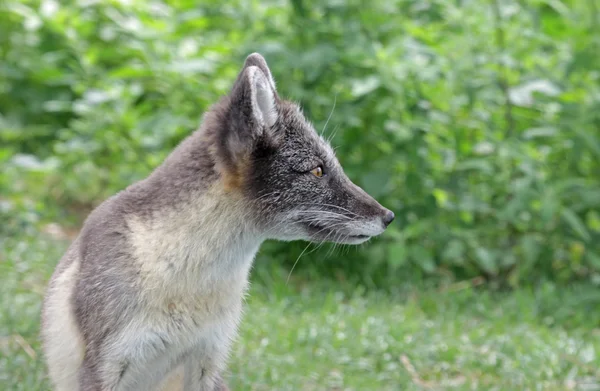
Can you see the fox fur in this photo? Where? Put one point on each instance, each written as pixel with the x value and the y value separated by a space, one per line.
pixel 149 295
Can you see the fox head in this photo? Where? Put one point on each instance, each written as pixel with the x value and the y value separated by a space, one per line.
pixel 265 148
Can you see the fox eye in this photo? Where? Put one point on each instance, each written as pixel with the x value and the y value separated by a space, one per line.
pixel 317 171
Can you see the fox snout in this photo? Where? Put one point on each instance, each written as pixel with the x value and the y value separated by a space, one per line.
pixel 364 216
pixel 368 207
pixel 388 217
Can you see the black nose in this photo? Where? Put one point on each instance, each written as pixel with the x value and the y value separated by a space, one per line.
pixel 388 218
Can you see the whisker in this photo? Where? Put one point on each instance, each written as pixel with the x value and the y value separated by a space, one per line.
pixel 330 113
pixel 295 263
pixel 333 134
pixel 333 206
pixel 325 213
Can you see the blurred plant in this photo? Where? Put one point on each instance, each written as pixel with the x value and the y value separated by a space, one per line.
pixel 477 122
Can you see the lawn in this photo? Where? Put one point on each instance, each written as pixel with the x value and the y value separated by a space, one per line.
pixel 326 336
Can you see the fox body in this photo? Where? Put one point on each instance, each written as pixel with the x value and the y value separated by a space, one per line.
pixel 149 295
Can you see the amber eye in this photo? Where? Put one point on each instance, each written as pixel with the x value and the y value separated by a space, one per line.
pixel 318 171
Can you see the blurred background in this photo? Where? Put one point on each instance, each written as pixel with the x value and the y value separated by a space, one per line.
pixel 477 122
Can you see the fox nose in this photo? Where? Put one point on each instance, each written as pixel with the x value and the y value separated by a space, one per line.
pixel 388 218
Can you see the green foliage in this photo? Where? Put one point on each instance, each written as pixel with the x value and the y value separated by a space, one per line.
pixel 476 122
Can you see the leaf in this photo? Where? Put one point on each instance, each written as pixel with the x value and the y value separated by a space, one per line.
pixel 483 148
pixel 593 259
pixel 533 133
pixel 591 142
pixel 455 252
pixel 593 220
pixel 474 164
pixel 487 260
pixel 365 86
pixel 441 197
pixel 523 95
pixel 548 207
pixel 575 223
pixel 199 65
pixel 531 248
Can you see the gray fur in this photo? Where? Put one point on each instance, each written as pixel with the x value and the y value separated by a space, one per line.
pixel 151 291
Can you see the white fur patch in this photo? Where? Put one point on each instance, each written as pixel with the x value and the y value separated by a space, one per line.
pixel 63 343
pixel 194 267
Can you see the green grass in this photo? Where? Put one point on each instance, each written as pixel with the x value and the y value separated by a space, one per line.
pixel 321 337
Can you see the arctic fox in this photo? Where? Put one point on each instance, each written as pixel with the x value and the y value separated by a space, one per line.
pixel 149 295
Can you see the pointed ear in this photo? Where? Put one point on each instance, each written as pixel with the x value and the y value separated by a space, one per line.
pixel 254 100
pixel 250 115
pixel 262 96
pixel 256 82
pixel 257 60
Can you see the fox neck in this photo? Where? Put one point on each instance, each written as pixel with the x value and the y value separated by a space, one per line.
pixel 203 241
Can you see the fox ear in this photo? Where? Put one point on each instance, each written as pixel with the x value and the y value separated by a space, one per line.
pixel 257 60
pixel 262 96
pixel 252 112
pixel 254 89
pixel 253 100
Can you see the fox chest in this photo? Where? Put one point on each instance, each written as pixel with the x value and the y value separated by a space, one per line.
pixel 207 319
pixel 167 338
